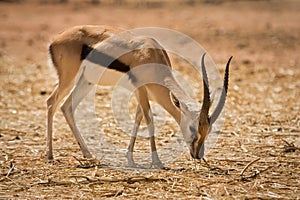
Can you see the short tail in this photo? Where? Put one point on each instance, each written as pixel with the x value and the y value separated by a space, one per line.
pixel 51 56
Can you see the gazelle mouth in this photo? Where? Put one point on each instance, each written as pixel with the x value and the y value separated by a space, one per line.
pixel 197 153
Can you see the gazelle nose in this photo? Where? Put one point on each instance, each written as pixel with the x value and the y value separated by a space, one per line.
pixel 193 155
pixel 197 154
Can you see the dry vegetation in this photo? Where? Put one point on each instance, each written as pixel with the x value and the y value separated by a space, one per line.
pixel 257 155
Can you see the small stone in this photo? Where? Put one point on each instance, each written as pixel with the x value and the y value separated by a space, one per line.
pixel 43 92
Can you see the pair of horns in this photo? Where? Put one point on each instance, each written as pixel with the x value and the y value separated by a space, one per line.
pixel 206 96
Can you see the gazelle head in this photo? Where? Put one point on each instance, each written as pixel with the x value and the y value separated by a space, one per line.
pixel 195 125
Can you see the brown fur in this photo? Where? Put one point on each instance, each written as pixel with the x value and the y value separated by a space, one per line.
pixel 66 53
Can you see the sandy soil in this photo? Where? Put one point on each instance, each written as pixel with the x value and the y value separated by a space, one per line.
pixel 257 155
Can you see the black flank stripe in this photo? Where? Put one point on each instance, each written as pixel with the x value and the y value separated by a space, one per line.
pixel 103 59
pixel 119 66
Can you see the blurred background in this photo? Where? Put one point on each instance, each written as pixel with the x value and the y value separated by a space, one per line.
pixel 256 30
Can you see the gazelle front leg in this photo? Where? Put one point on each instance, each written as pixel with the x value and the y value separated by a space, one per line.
pixel 81 89
pixel 147 113
pixel 138 119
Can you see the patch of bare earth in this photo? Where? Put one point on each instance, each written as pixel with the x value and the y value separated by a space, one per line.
pixel 257 154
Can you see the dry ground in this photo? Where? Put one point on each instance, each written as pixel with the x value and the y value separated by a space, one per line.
pixel 260 138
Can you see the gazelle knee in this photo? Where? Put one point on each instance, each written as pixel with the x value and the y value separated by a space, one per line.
pixel 66 107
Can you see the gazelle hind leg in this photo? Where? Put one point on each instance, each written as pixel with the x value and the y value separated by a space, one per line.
pixel 147 113
pixel 82 88
pixel 138 119
pixel 51 107
pixel 53 101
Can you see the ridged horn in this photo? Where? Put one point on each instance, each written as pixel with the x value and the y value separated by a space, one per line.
pixel 222 100
pixel 206 96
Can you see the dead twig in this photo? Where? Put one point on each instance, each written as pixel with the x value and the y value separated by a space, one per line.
pixel 11 168
pixel 79 160
pixel 128 180
pixel 17 184
pixel 257 172
pixel 131 180
pixel 248 165
pixel 49 182
pixel 290 147
pixel 113 194
pixel 87 163
pixel 83 177
pixel 214 168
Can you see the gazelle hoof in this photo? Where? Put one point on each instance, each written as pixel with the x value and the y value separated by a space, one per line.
pixel 130 162
pixel 158 164
pixel 50 157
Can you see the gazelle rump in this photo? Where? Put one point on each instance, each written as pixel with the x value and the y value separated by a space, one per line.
pixel 88 46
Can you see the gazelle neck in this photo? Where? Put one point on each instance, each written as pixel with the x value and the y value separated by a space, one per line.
pixel 185 114
pixel 175 112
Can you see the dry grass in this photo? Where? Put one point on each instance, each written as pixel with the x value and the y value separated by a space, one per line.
pixel 257 154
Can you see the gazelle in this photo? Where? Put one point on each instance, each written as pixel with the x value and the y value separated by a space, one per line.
pixel 89 46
